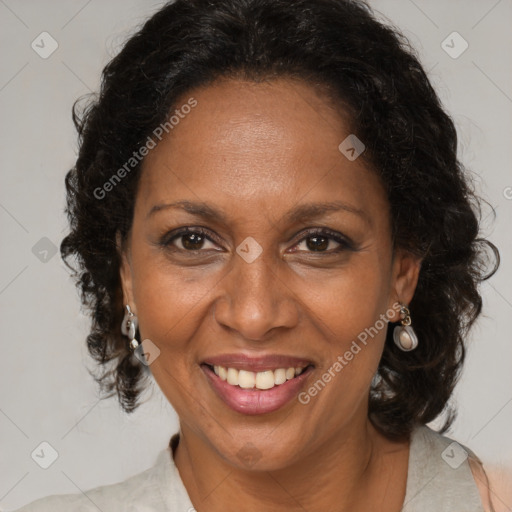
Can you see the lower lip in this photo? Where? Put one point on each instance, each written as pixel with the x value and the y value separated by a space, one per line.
pixel 256 401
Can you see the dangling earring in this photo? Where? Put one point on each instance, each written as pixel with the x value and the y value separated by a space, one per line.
pixel 404 336
pixel 129 327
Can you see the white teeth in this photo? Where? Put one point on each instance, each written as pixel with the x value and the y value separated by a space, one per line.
pixel 221 372
pixel 265 380
pixel 232 376
pixel 279 376
pixel 259 380
pixel 246 379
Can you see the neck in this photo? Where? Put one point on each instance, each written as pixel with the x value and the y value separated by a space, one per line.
pixel 344 473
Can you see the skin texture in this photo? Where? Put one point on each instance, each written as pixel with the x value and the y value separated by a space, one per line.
pixel 254 151
pixel 494 485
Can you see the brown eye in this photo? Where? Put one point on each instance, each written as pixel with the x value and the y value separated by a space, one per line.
pixel 192 241
pixel 322 241
pixel 317 243
pixel 187 240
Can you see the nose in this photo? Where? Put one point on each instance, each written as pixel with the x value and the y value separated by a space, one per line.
pixel 255 300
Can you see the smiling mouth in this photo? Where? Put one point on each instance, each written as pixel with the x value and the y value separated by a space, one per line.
pixel 264 380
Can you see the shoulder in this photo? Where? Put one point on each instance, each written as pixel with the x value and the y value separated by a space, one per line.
pixel 56 503
pixel 481 481
pixel 141 492
pixel 494 485
pixel 440 475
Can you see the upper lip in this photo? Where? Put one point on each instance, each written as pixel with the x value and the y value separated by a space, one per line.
pixel 259 363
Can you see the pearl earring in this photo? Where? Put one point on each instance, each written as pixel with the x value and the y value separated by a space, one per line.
pixel 129 327
pixel 403 335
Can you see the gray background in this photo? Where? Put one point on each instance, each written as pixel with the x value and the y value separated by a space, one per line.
pixel 46 392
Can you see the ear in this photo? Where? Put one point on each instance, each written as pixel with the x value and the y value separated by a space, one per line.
pixel 125 271
pixel 405 273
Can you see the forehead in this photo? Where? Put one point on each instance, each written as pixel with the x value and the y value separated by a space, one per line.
pixel 249 144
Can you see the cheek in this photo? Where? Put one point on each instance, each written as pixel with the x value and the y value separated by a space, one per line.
pixel 351 309
pixel 351 340
pixel 170 303
pixel 352 298
pixel 171 309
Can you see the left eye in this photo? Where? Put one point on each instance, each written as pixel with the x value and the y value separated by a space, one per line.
pixel 321 241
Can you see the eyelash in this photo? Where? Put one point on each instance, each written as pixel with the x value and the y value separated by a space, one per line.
pixel 310 233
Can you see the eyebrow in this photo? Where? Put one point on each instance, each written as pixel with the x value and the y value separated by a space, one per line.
pixel 299 213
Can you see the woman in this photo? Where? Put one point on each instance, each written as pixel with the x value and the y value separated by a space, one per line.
pixel 268 215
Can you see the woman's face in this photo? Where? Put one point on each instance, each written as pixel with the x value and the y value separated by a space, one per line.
pixel 271 273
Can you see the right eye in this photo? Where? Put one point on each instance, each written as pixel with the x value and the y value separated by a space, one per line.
pixel 187 239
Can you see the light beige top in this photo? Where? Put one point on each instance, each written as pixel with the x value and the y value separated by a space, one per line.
pixel 439 480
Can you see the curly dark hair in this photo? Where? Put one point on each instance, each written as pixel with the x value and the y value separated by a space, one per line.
pixel 411 142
